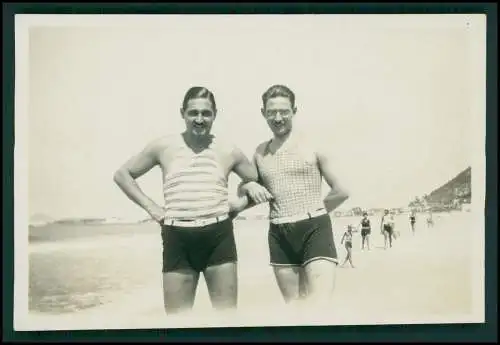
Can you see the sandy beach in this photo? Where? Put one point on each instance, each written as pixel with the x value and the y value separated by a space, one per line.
pixel 426 278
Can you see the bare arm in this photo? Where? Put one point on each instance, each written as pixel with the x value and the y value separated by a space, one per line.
pixel 248 173
pixel 360 226
pixel 337 195
pixel 243 201
pixel 125 177
pixel 239 204
pixel 243 167
pixel 342 240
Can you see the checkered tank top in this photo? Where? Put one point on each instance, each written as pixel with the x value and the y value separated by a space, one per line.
pixel 293 177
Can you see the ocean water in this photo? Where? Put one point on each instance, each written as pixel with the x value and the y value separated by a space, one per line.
pixel 77 267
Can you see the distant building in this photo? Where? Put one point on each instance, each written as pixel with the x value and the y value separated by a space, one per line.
pixel 357 211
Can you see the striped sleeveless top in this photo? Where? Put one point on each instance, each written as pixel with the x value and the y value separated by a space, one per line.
pixel 293 177
pixel 195 185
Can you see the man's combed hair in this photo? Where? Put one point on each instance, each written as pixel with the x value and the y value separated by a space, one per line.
pixel 199 92
pixel 278 91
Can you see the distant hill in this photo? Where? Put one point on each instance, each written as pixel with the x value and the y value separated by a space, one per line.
pixel 458 189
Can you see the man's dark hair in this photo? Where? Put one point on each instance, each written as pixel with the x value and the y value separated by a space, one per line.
pixel 278 91
pixel 199 92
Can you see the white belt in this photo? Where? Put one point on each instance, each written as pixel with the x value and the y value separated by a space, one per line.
pixel 299 217
pixel 194 223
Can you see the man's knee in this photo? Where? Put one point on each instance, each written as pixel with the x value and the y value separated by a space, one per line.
pixel 222 275
pixel 320 275
pixel 289 282
pixel 179 290
pixel 222 284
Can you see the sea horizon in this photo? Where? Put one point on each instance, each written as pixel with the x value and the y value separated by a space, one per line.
pixel 41 220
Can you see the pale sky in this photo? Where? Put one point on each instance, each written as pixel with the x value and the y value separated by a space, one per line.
pixel 391 98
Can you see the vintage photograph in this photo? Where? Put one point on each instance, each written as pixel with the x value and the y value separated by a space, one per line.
pixel 187 171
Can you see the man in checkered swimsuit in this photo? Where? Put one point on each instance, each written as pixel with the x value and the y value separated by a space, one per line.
pixel 291 169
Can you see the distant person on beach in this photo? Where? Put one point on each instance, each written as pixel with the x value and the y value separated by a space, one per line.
pixel 366 230
pixel 413 220
pixel 387 225
pixel 292 167
pixel 395 232
pixel 430 220
pixel 347 238
pixel 196 229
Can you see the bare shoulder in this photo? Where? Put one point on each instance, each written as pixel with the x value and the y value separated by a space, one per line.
pixel 161 143
pixel 319 144
pixel 261 148
pixel 156 147
pixel 324 149
pixel 225 146
pixel 228 150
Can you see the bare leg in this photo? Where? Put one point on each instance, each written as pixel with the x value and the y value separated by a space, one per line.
pixel 179 290
pixel 345 260
pixel 349 255
pixel 222 285
pixel 302 283
pixel 346 257
pixel 288 279
pixel 320 280
pixel 368 241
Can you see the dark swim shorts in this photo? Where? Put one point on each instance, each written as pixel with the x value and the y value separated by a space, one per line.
pixel 388 228
pixel 198 248
pixel 299 243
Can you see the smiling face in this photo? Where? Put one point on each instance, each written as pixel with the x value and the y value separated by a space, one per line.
pixel 279 112
pixel 199 115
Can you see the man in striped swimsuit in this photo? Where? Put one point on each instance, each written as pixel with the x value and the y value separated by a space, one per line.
pixel 197 232
pixel 301 245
